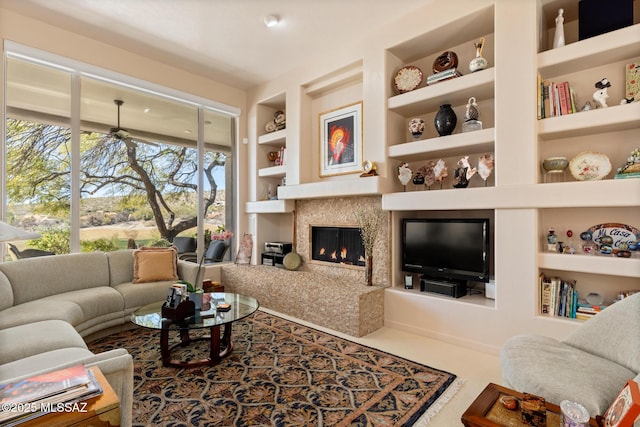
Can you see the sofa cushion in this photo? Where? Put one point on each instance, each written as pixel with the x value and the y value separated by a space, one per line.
pixel 40 310
pixel 35 338
pixel 139 294
pixel 557 371
pixel 6 292
pixel 155 264
pixel 120 266
pixel 35 278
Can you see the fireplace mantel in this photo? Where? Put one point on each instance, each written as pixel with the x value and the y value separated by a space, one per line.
pixel 359 186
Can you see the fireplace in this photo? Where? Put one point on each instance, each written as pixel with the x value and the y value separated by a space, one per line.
pixel 338 245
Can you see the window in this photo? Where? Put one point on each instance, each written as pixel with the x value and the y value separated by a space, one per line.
pixel 145 161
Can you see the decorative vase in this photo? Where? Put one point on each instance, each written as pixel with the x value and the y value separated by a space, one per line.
pixel 445 120
pixel 196 297
pixel 478 63
pixel 368 269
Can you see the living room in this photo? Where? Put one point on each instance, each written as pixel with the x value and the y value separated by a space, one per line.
pixel 515 198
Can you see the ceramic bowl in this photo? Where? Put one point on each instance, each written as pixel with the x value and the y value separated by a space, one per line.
pixel 555 164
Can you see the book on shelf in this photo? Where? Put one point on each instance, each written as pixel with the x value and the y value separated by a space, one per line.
pixel 558 297
pixel 555 99
pixel 30 397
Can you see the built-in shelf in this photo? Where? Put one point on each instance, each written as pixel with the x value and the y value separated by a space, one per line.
pixel 270 206
pixel 601 120
pixel 596 264
pixel 473 299
pixel 620 193
pixel 334 188
pixel 593 52
pixel 455 92
pixel 276 138
pixel 452 145
pixel 272 172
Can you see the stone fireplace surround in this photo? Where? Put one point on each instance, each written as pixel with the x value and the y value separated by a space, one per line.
pixel 326 294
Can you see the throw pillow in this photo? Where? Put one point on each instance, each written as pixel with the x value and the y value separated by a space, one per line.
pixel 155 264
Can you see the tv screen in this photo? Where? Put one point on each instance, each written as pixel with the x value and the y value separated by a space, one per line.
pixel 447 248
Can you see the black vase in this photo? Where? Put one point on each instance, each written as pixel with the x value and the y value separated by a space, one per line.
pixel 446 120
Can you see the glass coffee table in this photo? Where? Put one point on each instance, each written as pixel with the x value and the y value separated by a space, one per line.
pixel 150 316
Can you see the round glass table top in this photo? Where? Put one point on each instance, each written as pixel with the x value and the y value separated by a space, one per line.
pixel 150 316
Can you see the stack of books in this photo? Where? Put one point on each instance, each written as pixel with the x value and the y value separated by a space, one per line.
pixel 443 75
pixel 55 391
pixel 559 297
pixel 555 99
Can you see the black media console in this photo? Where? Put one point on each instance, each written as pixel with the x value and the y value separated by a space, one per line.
pixel 454 289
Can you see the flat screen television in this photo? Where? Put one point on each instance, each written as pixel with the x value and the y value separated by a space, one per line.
pixel 451 249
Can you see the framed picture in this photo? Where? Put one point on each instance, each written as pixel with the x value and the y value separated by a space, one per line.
pixel 625 408
pixel 341 140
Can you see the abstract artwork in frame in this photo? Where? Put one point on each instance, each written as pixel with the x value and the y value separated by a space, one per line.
pixel 341 140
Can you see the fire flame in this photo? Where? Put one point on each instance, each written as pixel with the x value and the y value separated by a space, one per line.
pixel 343 253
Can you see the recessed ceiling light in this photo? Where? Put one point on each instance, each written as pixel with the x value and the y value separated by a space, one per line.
pixel 146 110
pixel 187 131
pixel 271 20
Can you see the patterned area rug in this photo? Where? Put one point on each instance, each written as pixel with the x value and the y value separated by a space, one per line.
pixel 280 373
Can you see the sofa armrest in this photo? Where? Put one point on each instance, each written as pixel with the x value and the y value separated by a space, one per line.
pixel 188 271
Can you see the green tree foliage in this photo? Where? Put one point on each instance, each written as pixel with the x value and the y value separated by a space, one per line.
pixel 156 174
pixel 53 240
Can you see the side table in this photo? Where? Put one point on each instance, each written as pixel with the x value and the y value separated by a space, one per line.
pixel 487 411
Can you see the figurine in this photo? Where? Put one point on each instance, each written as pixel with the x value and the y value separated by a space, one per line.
pixel 416 127
pixel 558 37
pixel 404 174
pixel 485 166
pixel 601 95
pixel 418 179
pixel 428 173
pixel 471 115
pixel 463 173
pixel 587 106
pixel 552 240
pixel 440 171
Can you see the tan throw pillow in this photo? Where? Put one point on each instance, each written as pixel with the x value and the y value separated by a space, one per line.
pixel 155 264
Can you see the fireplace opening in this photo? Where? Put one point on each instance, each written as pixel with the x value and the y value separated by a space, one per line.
pixel 339 245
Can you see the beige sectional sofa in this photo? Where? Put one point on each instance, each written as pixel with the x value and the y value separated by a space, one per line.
pixel 49 307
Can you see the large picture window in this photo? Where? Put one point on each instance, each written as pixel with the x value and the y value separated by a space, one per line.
pixel 146 163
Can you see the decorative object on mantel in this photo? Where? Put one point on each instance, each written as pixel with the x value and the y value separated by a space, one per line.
pixel 369 222
pixel 600 96
pixel 404 174
pixel 471 115
pixel 416 127
pixel 368 168
pixel 440 171
pixel 407 79
pixel 463 173
pixel 631 169
pixel 485 167
pixel 478 63
pixel 590 166
pixel 558 37
pixel 445 120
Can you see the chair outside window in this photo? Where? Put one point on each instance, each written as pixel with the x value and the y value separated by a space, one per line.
pixel 28 253
pixel 215 252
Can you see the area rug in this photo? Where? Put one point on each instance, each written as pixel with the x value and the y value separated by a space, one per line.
pixel 280 373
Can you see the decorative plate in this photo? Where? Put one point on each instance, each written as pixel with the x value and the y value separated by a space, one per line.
pixel 615 235
pixel 407 79
pixel 590 166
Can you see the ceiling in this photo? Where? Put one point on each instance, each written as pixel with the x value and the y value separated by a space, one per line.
pixel 222 39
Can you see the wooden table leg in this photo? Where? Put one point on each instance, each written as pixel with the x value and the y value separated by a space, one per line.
pixel 214 351
pixel 165 352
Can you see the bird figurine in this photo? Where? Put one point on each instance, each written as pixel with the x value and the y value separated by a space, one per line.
pixel 600 96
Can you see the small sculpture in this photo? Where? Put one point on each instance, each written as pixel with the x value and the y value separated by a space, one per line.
pixel 404 174
pixel 601 95
pixel 418 179
pixel 416 127
pixel 463 173
pixel 428 173
pixel 587 106
pixel 446 61
pixel 440 172
pixel 471 115
pixel 558 37
pixel 485 167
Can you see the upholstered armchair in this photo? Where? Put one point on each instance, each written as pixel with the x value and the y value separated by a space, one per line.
pixel 590 366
